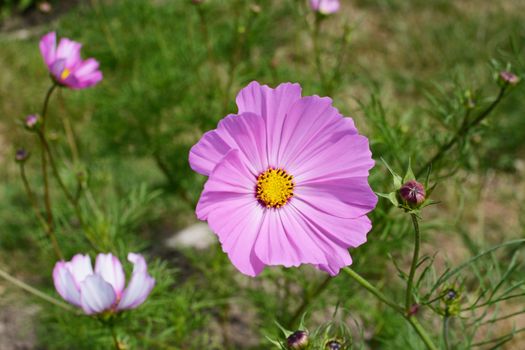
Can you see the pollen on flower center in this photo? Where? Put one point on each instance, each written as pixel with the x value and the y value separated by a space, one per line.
pixel 274 187
pixel 65 73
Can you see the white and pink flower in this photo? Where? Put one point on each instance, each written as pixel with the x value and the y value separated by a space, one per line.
pixel 102 290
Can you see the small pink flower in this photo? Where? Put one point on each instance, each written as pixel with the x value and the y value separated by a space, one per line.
pixel 102 290
pixel 65 64
pixel 287 181
pixel 325 7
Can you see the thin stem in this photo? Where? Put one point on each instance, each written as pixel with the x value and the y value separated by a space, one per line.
pixel 445 332
pixel 114 336
pixel 317 50
pixel 54 168
pixel 463 131
pixel 377 293
pixel 421 332
pixel 32 198
pixel 34 291
pixel 47 197
pixel 413 267
pixel 307 300
pixel 43 222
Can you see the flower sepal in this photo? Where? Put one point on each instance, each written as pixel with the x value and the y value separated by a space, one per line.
pixel 409 194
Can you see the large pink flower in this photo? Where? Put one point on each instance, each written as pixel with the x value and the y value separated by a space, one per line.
pixel 288 181
pixel 65 64
pixel 325 7
pixel 102 290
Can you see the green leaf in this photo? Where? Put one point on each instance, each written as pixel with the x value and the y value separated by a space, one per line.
pixel 392 197
pixel 396 178
pixel 409 175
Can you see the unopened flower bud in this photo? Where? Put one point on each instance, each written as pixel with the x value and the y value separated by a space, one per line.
pixel 197 2
pixel 297 340
pixel 452 302
pixel 21 155
pixel 334 345
pixel 451 294
pixel 508 78
pixel 412 192
pixel 32 122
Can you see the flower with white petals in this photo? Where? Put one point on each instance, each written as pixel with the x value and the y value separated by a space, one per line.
pixel 102 290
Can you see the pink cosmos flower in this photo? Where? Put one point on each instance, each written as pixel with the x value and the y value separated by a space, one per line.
pixel 65 64
pixel 325 7
pixel 287 181
pixel 102 290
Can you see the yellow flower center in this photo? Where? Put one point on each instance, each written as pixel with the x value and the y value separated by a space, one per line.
pixel 274 187
pixel 65 73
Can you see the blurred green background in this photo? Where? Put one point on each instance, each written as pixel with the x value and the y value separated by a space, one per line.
pixel 171 71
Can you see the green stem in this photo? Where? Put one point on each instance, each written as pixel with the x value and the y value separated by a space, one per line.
pixel 413 266
pixel 114 336
pixel 31 197
pixel 463 131
pixel 445 332
pixel 34 291
pixel 377 293
pixel 317 50
pixel 32 200
pixel 47 197
pixel 421 332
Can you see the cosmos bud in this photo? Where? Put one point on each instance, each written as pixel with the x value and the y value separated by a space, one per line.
pixel 297 340
pixel 32 121
pixel 333 345
pixel 21 155
pixel 507 77
pixel 412 192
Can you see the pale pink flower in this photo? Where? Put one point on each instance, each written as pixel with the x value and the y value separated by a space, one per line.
pixel 325 7
pixel 65 64
pixel 102 290
pixel 287 181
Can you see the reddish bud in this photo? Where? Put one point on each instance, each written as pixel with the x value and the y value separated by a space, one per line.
pixel 412 192
pixel 297 340
pixel 509 77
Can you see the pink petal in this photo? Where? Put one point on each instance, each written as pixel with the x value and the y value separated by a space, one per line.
pixel 140 285
pixel 238 233
pixel 272 105
pixel 325 6
pixel 65 284
pixel 350 156
pixel 288 238
pixel 347 233
pixel 87 74
pixel 244 132
pixel 331 234
pixel 346 198
pixel 89 80
pixel 229 190
pixel 48 47
pixel 311 125
pixel 80 268
pixel 70 51
pixel 109 268
pixel 96 295
pixel 230 181
pixel 86 67
pixel 281 241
